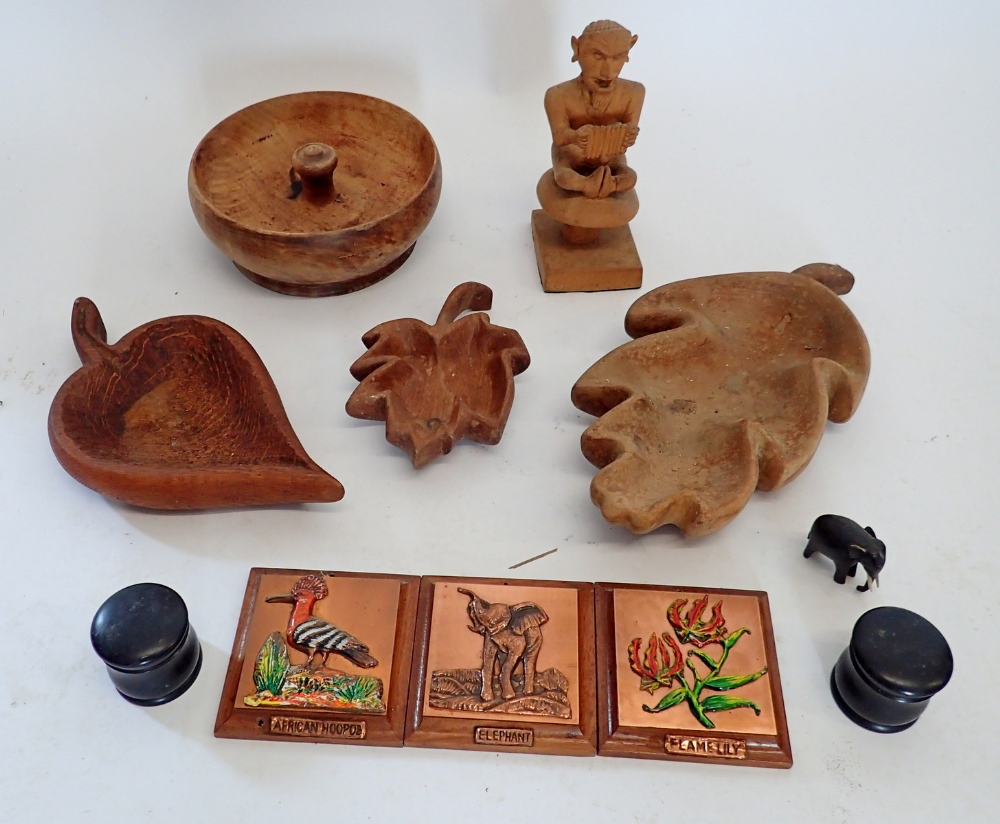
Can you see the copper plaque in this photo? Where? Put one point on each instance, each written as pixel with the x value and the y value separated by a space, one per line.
pixel 364 608
pixel 454 685
pixel 504 664
pixel 642 614
pixel 689 673
pixel 321 655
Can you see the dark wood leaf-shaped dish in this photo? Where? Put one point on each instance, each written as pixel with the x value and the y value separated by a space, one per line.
pixel 726 388
pixel 318 193
pixel 179 414
pixel 434 385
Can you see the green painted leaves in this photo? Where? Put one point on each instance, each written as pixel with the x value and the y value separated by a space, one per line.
pixel 731 682
pixel 717 703
pixel 669 700
pixel 272 664
pixel 663 664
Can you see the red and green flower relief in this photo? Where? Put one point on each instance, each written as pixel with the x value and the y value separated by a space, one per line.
pixel 691 629
pixel 663 664
pixel 659 665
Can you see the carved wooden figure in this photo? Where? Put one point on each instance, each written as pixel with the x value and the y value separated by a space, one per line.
pixel 726 388
pixel 179 414
pixel 434 385
pixel 582 239
pixel 282 683
pixel 318 193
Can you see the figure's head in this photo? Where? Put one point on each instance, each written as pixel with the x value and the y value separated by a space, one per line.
pixel 601 51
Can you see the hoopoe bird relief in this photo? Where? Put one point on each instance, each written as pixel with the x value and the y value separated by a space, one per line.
pixel 312 635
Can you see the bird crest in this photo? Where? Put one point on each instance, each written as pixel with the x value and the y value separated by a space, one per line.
pixel 313 584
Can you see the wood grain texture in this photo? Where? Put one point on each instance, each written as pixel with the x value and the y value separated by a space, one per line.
pixel 254 723
pixel 434 385
pixel 611 262
pixel 582 242
pixel 548 737
pixel 179 414
pixel 292 236
pixel 618 739
pixel 726 388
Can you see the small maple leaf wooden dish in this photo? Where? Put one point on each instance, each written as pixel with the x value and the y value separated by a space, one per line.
pixel 434 385
pixel 317 193
pixel 726 388
pixel 179 414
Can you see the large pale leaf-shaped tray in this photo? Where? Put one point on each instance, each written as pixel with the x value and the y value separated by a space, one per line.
pixel 179 414
pixel 436 384
pixel 726 389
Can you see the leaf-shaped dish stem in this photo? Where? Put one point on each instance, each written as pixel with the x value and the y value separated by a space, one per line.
pixel 727 388
pixel 179 414
pixel 434 385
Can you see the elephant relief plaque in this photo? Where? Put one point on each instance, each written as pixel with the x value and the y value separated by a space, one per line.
pixel 321 656
pixel 504 665
pixel 689 675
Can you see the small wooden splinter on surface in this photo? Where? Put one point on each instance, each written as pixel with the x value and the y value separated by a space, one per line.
pixel 582 239
pixel 434 385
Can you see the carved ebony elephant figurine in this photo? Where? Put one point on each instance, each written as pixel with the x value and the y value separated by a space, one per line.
pixel 511 635
pixel 847 545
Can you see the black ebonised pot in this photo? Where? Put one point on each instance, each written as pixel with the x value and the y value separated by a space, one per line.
pixel 143 635
pixel 896 662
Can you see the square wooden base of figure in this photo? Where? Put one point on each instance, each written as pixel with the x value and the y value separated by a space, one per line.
pixel 504 665
pixel 610 262
pixel 689 674
pixel 321 656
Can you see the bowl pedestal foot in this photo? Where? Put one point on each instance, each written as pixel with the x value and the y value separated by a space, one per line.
pixel 319 290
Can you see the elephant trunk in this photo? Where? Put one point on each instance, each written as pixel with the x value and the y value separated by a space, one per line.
pixel 477 607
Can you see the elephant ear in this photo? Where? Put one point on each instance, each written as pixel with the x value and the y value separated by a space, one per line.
pixel 496 618
pixel 525 616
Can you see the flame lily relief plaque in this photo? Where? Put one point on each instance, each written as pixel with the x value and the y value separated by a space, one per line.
pixel 689 675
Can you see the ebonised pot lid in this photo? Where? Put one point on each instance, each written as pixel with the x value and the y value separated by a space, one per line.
pixel 139 627
pixel 901 654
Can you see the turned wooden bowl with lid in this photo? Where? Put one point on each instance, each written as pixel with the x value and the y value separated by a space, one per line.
pixel 317 193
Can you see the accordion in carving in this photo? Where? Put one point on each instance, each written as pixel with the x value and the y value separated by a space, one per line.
pixel 606 141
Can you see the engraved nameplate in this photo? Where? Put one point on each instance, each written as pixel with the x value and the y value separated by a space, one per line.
pixel 504 736
pixel 708 747
pixel 309 728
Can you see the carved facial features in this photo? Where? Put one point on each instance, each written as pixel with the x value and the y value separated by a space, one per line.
pixel 601 56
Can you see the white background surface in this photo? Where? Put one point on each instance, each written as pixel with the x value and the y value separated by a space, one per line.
pixel 774 134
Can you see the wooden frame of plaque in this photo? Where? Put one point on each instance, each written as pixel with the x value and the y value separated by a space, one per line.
pixel 689 674
pixel 536 639
pixel 321 656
